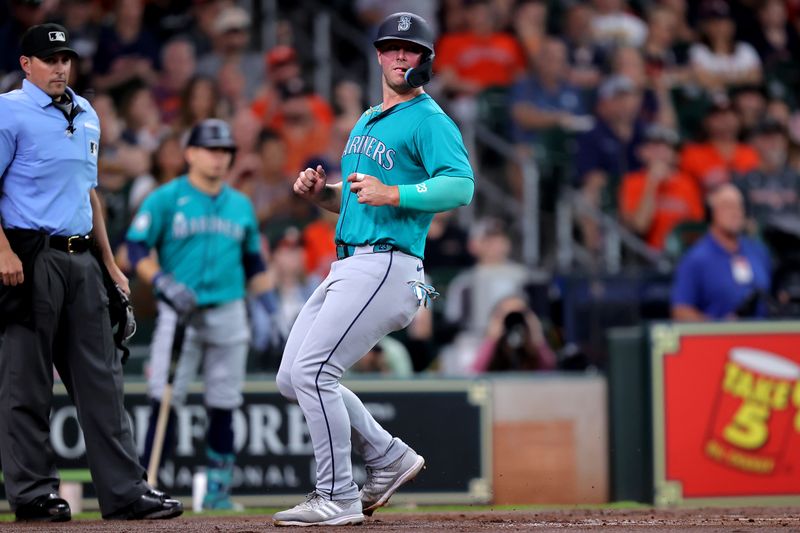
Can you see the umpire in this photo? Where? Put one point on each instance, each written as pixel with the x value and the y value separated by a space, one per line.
pixel 53 301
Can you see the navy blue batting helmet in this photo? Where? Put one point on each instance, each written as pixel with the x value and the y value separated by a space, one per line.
pixel 414 29
pixel 212 133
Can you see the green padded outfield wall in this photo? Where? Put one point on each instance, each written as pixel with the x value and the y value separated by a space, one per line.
pixel 630 415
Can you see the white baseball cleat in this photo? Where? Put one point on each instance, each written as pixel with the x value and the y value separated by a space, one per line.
pixel 318 511
pixel 381 483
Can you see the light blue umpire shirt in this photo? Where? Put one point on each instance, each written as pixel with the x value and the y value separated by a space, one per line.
pixel 46 171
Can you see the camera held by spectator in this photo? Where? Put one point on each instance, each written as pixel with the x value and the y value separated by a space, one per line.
pixel 514 340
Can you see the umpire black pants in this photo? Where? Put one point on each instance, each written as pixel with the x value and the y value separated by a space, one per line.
pixel 70 330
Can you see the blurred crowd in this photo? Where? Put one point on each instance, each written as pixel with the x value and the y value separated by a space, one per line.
pixel 647 109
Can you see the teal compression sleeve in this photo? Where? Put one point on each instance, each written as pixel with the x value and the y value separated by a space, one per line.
pixel 440 193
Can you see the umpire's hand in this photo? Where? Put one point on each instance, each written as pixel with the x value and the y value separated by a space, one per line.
pixel 10 268
pixel 120 279
pixel 175 294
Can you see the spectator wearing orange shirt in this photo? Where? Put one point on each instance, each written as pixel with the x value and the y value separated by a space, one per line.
pixel 470 61
pixel 283 68
pixel 656 198
pixel 318 236
pixel 304 126
pixel 320 243
pixel 287 105
pixel 713 162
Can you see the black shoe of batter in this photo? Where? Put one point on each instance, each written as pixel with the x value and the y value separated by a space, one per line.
pixel 45 508
pixel 152 505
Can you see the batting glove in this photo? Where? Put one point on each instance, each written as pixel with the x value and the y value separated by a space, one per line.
pixel 175 294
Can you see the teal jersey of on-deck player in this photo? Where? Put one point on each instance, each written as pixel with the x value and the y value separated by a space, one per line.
pixel 200 239
pixel 408 144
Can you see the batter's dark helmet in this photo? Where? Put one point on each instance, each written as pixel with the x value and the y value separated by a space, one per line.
pixel 212 133
pixel 414 29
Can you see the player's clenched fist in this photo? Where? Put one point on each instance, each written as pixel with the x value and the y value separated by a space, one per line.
pixel 371 191
pixel 310 182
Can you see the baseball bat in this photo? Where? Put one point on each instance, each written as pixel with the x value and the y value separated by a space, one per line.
pixel 166 403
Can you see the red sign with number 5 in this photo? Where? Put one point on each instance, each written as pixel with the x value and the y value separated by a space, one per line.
pixel 728 421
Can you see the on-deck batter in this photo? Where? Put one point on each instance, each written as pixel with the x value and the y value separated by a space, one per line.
pixel 208 253
pixel 404 161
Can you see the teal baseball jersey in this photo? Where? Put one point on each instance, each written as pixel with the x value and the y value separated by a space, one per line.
pixel 200 239
pixel 409 143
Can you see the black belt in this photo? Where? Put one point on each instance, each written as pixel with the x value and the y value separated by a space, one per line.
pixel 74 244
pixel 346 250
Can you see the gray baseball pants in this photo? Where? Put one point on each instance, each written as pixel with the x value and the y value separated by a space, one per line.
pixel 365 297
pixel 217 337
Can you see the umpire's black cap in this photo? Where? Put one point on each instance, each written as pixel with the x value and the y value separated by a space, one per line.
pixel 212 133
pixel 44 40
pixel 405 27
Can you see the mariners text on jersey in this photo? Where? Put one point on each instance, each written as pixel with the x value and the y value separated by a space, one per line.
pixel 199 238
pixel 407 144
pixel 183 227
pixel 372 148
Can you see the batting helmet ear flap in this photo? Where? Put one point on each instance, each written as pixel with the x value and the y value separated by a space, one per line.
pixel 420 75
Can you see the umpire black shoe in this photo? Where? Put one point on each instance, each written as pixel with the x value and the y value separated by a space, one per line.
pixel 152 505
pixel 45 508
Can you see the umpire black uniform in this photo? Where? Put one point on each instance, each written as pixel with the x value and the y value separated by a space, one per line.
pixel 53 301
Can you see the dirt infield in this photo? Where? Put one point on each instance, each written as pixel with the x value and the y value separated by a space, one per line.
pixel 705 520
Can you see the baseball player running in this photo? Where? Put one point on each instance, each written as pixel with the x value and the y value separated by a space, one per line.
pixel 206 236
pixel 404 161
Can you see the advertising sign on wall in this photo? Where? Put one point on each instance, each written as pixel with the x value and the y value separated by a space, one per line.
pixel 449 422
pixel 726 412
